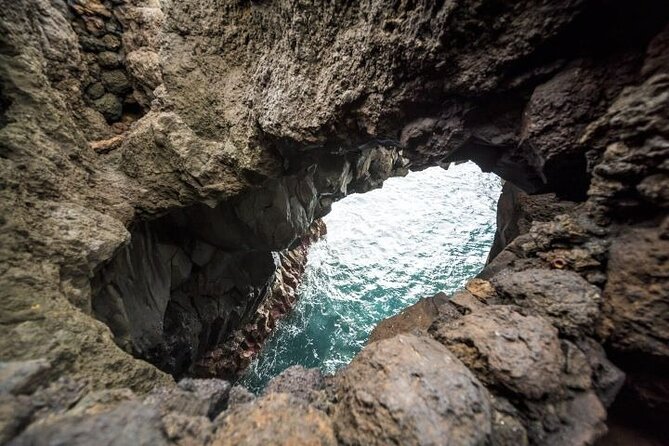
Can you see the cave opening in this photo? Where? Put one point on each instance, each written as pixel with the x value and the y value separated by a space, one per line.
pixel 197 291
pixel 419 235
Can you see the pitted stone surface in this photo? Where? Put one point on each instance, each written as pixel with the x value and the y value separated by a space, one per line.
pixel 410 390
pixel 506 349
pixel 274 110
pixel 278 419
pixel 563 297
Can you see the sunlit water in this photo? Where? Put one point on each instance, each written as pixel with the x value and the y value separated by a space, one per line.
pixel 385 249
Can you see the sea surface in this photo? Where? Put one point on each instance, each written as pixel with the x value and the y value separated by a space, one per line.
pixel 427 232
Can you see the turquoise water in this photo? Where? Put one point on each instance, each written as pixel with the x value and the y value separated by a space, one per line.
pixel 427 232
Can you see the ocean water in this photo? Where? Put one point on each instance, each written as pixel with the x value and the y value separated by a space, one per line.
pixel 427 232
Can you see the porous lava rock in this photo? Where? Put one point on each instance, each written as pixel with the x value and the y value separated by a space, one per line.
pixel 410 390
pixel 149 203
pixel 277 418
pixel 505 348
pixel 564 297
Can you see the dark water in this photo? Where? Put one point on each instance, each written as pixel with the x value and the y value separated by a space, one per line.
pixel 385 249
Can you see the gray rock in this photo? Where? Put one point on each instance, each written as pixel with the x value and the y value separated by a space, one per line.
pixel 505 349
pixel 144 67
pixel 516 211
pixel 95 90
pixel 581 422
pixel 240 395
pixel 606 377
pixel 563 297
pixel 116 81
pixel 193 397
pixel 128 423
pixel 112 26
pixel 110 106
pixel 184 430
pixel 15 413
pixel 111 42
pixel 296 380
pixel 109 59
pixel 655 188
pixel 507 428
pixel 17 377
pixel 410 390
pixel 101 401
pixel 90 43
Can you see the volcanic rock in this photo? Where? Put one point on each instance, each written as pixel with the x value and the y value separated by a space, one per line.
pixel 277 418
pixel 410 390
pixel 505 348
pixel 564 297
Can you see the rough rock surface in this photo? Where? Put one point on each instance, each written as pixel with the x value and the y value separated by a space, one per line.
pixel 232 356
pixel 297 381
pixel 414 319
pixel 503 347
pixel 410 390
pixel 158 158
pixel 636 309
pixel 127 423
pixel 521 358
pixel 564 297
pixel 277 418
pixel 516 211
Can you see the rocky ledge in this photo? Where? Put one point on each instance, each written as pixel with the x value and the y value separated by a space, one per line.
pixel 163 161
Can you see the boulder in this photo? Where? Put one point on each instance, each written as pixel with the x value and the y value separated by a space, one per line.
pixel 410 390
pixel 414 319
pixel 128 423
pixel 636 295
pixel 108 59
pixel 505 349
pixel 116 81
pixel 110 106
pixel 192 397
pixel 277 419
pixel 563 297
pixel 297 381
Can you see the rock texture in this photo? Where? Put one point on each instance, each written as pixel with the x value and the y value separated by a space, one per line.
pixel 411 390
pixel 162 162
pixel 278 418
pixel 231 356
pixel 516 211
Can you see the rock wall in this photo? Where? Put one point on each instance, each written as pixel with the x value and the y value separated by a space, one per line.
pixel 240 123
pixel 231 357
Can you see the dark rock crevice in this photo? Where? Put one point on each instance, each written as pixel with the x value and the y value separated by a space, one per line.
pixel 169 293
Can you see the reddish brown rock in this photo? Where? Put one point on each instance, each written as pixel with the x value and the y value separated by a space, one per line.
pixel 563 297
pixel 414 319
pixel 636 296
pixel 278 419
pixel 410 390
pixel 505 348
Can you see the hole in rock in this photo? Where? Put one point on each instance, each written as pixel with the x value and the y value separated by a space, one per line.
pixel 425 233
